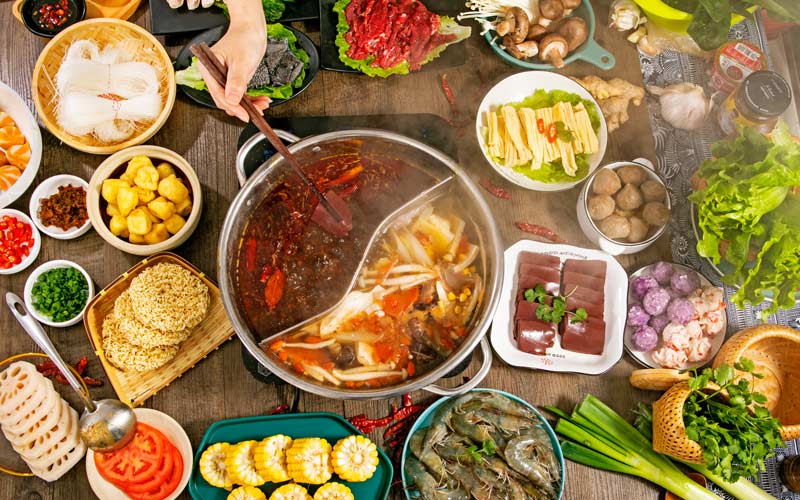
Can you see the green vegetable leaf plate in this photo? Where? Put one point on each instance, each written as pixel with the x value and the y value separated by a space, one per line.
pixel 329 426
pixel 426 418
pixel 211 36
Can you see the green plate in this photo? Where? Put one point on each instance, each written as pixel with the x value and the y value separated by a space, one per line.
pixel 329 426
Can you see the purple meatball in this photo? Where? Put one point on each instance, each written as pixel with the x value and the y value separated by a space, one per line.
pixel 643 284
pixel 637 316
pixel 655 301
pixel 659 322
pixel 645 338
pixel 680 311
pixel 662 272
pixel 684 281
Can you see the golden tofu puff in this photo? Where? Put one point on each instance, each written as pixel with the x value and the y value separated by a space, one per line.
pixel 247 493
pixel 135 163
pixel 112 210
pixel 333 491
pixel 139 222
pixel 118 225
pixel 212 466
pixel 147 178
pixel 145 195
pixel 173 189
pixel 164 170
pixel 157 234
pixel 184 208
pixel 174 223
pixel 355 458
pixel 290 492
pixel 309 461
pixel 241 465
pixel 270 456
pixel 161 208
pixel 127 200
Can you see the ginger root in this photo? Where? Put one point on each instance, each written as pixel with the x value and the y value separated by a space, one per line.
pixel 613 96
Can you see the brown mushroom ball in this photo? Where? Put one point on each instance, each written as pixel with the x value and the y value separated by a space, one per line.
pixel 653 191
pixel 575 30
pixel 632 174
pixel 629 197
pixel 600 206
pixel 638 230
pixel 655 213
pixel 615 227
pixel 606 181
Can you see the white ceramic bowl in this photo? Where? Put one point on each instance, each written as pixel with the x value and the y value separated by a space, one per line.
pixel 37 241
pixel 53 264
pixel 47 188
pixel 516 88
pixel 172 430
pixel 591 230
pixel 15 106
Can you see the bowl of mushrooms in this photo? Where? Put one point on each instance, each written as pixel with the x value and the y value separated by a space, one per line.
pixel 624 207
pixel 540 35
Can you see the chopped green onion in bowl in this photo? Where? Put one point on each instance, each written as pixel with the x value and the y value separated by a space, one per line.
pixel 60 294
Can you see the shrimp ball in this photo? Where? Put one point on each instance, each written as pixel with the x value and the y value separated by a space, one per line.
pixel 713 298
pixel 600 206
pixel 653 191
pixel 606 182
pixel 632 174
pixel 629 197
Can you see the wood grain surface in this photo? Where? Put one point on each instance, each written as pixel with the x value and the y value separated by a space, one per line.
pixel 220 387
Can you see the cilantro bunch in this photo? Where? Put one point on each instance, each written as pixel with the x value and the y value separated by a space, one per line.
pixel 736 433
pixel 556 310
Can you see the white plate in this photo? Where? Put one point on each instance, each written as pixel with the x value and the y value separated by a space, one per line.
pixel 645 358
pixel 516 88
pixel 37 240
pixel 28 295
pixel 12 103
pixel 558 359
pixel 47 188
pixel 172 430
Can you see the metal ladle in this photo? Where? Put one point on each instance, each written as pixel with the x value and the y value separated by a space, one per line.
pixel 105 425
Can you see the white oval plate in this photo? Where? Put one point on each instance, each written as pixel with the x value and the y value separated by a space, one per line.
pixel 28 293
pixel 37 240
pixel 15 106
pixel 49 187
pixel 172 430
pixel 558 359
pixel 645 358
pixel 516 88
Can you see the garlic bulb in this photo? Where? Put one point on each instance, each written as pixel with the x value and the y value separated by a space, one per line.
pixel 683 105
pixel 625 15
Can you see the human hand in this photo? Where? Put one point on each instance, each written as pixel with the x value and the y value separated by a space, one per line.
pixel 241 50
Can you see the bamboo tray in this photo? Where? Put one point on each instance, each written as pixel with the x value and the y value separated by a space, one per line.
pixel 134 388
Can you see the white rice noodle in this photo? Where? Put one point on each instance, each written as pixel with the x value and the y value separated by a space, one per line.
pixel 361 377
pixel 128 80
pixel 306 345
pixel 366 369
pixel 320 374
pixel 355 336
pixel 81 114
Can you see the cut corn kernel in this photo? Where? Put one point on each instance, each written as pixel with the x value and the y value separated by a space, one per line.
pixel 247 493
pixel 451 296
pixel 309 461
pixel 355 458
pixel 290 492
pixel 241 465
pixel 270 456
pixel 212 466
pixel 333 491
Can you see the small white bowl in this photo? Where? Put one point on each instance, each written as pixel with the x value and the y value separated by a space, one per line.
pixel 49 187
pixel 37 241
pixel 172 430
pixel 53 264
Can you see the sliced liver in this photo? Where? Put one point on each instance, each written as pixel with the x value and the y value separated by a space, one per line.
pixel 594 268
pixel 586 337
pixel 573 278
pixel 594 309
pixel 526 311
pixel 535 337
pixel 584 293
pixel 539 259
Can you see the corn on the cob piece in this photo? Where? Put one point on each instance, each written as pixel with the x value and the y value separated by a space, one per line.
pixel 355 458
pixel 309 461
pixel 290 492
pixel 242 466
pixel 270 456
pixel 212 466
pixel 247 493
pixel 333 491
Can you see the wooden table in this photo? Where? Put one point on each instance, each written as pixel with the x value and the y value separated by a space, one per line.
pixel 220 387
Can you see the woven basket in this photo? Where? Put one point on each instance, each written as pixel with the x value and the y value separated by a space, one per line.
pixel 669 432
pixel 103 32
pixel 775 350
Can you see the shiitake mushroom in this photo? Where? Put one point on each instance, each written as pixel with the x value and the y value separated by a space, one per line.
pixel 574 30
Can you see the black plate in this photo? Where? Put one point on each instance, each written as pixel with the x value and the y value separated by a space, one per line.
pixel 167 21
pixel 454 55
pixel 184 60
pixel 77 9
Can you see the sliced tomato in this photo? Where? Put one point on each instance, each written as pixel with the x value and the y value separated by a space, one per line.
pixel 166 488
pixel 137 461
pixel 397 303
pixel 153 482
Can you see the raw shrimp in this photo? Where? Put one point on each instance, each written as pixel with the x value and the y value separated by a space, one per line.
pixel 501 404
pixel 427 485
pixel 427 456
pixel 468 425
pixel 470 482
pixel 507 424
pixel 529 456
pixel 454 447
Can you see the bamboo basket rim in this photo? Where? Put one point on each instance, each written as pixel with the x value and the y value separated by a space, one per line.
pixel 43 109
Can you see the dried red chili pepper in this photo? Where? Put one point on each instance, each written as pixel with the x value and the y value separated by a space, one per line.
pixel 552 132
pixel 81 365
pixel 284 408
pixel 92 382
pixel 448 92
pixel 48 369
pixel 496 191
pixel 540 125
pixel 538 230
pixel 273 290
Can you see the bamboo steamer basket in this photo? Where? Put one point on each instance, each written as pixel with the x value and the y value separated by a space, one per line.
pixel 775 350
pixel 104 32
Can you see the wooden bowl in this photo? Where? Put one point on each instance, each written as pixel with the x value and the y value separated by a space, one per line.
pixel 115 165
pixel 103 32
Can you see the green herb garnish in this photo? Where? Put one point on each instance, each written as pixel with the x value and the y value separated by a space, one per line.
pixel 556 310
pixel 564 133
pixel 736 433
pixel 580 315
pixel 488 449
pixel 60 294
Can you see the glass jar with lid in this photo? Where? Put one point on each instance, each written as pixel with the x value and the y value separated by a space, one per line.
pixel 758 102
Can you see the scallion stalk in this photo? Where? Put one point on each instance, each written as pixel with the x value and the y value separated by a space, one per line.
pixel 741 489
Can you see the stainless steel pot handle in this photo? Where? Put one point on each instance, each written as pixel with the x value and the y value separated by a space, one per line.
pixel 287 137
pixel 486 352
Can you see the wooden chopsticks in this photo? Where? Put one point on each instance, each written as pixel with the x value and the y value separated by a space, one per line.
pixel 219 72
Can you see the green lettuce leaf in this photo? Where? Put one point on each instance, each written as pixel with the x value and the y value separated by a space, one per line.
pixel 190 77
pixel 447 25
pixel 273 9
